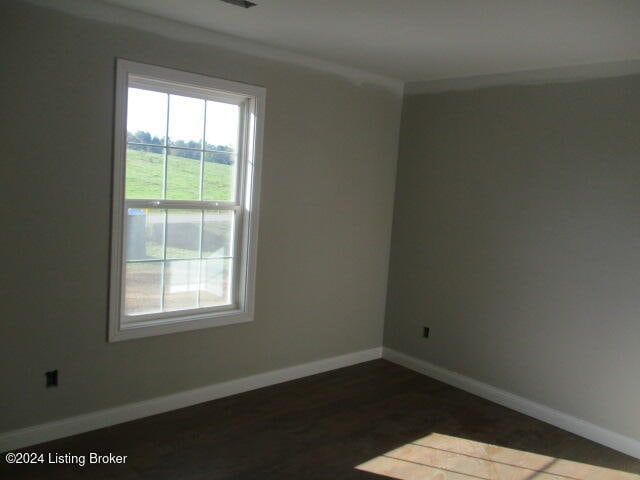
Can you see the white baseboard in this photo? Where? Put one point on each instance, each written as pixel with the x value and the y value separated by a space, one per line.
pixel 585 429
pixel 103 418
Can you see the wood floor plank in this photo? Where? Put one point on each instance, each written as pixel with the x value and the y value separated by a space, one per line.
pixel 334 426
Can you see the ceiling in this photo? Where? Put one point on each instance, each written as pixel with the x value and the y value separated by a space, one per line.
pixel 418 40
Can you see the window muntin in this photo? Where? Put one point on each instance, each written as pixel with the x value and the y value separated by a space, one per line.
pixel 185 210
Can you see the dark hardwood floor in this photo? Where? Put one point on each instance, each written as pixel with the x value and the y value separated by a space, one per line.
pixel 324 426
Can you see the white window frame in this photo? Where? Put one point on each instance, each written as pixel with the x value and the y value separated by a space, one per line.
pixel 252 101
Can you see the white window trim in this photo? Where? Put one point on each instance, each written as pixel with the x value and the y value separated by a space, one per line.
pixel 249 172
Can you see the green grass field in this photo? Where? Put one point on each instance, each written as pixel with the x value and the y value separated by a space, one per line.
pixel 145 173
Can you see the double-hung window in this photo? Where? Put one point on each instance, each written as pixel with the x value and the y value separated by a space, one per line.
pixel 185 197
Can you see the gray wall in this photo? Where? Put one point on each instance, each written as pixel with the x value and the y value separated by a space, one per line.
pixel 327 192
pixel 516 238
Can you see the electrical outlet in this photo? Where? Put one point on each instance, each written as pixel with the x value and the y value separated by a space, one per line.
pixel 52 378
pixel 425 332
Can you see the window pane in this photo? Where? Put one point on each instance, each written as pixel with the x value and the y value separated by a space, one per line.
pixel 219 176
pixel 145 234
pixel 183 233
pixel 218 233
pixel 146 116
pixel 145 172
pixel 222 126
pixel 186 121
pixel 143 288
pixel 181 282
pixel 183 174
pixel 215 283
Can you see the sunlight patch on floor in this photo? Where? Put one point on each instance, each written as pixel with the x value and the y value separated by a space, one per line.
pixel 443 457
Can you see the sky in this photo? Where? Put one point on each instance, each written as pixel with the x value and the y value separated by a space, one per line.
pixel 147 111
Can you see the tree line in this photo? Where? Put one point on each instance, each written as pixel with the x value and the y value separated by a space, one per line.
pixel 220 153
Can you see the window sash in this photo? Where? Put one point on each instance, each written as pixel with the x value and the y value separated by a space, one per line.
pixel 236 254
pixel 241 153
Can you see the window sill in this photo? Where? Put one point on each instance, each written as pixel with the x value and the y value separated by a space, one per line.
pixel 183 323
